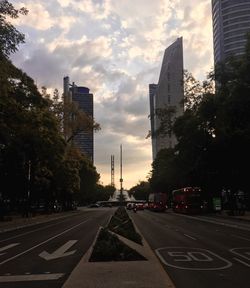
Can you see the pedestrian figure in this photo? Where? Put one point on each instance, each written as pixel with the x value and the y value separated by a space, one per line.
pixel 240 202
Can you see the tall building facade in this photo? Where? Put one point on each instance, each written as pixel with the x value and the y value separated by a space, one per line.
pixel 231 22
pixel 152 93
pixel 168 93
pixel 84 139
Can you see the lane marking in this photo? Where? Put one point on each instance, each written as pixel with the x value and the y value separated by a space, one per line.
pixel 32 248
pixel 39 229
pixel 35 277
pixel 240 237
pixel 190 237
pixel 208 220
pixel 60 252
pixel 8 247
pixel 242 262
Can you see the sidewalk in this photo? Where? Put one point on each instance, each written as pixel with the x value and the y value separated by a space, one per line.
pixel 224 214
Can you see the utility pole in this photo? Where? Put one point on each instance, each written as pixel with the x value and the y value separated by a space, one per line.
pixel 113 170
pixel 121 180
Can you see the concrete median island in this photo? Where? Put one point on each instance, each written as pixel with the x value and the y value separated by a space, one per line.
pixel 124 266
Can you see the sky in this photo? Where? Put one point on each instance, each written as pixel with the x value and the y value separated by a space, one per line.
pixel 115 48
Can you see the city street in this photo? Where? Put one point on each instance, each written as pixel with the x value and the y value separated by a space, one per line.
pixel 198 251
pixel 44 255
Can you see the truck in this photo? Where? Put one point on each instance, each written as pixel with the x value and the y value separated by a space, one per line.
pixel 157 202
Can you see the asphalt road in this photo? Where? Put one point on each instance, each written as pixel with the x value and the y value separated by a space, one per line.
pixel 44 255
pixel 198 252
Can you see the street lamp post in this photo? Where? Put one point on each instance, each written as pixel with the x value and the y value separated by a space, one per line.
pixel 121 180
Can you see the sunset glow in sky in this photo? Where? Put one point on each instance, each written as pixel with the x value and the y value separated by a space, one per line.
pixel 115 48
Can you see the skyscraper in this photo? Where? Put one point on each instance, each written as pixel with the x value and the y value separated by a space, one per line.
pixel 152 92
pixel 231 22
pixel 84 139
pixel 168 93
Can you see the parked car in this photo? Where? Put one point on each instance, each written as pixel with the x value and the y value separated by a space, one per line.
pixel 94 205
pixel 140 206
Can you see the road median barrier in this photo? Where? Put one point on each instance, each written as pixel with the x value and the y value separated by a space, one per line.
pixel 132 265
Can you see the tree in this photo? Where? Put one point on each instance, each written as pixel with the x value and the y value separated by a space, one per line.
pixel 35 161
pixel 164 175
pixel 166 118
pixel 88 179
pixel 194 90
pixel 140 191
pixel 10 37
pixel 213 134
pixel 232 119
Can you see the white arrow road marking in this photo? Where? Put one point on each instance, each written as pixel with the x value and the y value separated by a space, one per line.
pixel 242 262
pixel 35 277
pixel 32 248
pixel 60 252
pixel 8 247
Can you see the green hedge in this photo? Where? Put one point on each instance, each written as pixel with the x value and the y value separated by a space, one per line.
pixel 121 224
pixel 109 248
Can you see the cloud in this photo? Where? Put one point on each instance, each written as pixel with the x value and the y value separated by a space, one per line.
pixel 115 48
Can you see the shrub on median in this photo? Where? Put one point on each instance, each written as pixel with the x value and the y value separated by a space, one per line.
pixel 109 248
pixel 121 224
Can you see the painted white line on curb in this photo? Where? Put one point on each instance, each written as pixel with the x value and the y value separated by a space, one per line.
pixel 24 278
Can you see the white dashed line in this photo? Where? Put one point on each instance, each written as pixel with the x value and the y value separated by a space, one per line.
pixel 190 237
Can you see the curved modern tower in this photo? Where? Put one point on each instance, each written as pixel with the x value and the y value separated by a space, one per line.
pixel 231 22
pixel 168 93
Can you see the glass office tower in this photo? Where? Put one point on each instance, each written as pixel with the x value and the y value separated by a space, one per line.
pixel 84 139
pixel 231 22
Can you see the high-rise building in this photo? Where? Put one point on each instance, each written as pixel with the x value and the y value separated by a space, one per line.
pixel 231 22
pixel 168 93
pixel 84 139
pixel 152 92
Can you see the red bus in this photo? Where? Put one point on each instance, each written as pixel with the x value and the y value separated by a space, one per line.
pixel 188 200
pixel 157 202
